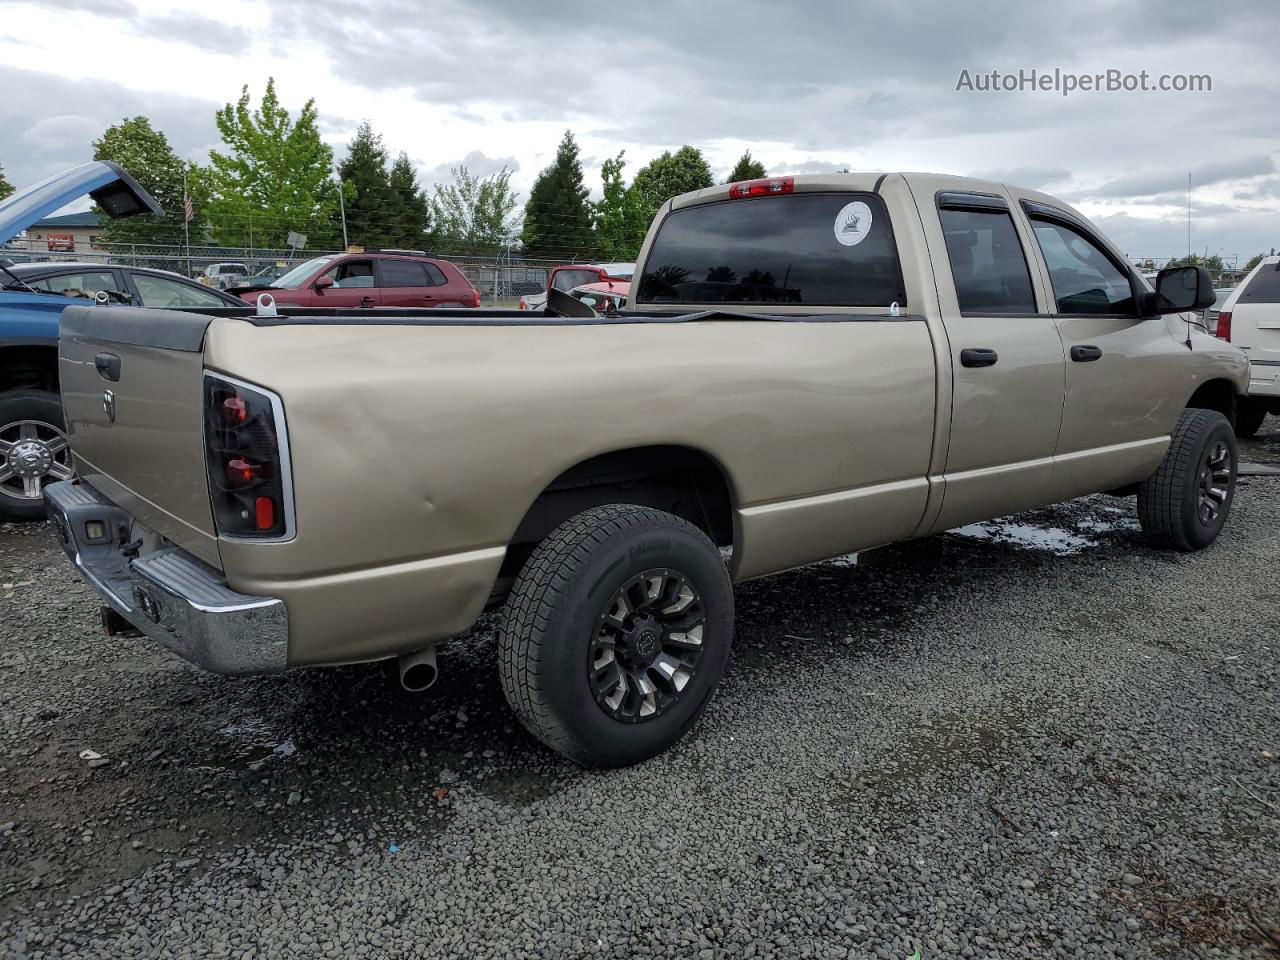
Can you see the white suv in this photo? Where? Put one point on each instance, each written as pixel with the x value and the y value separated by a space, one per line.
pixel 1250 319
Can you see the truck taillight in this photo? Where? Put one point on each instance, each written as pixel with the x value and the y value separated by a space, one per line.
pixel 246 459
pixel 1224 326
pixel 764 187
pixel 475 297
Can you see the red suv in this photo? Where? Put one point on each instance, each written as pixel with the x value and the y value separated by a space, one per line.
pixel 372 280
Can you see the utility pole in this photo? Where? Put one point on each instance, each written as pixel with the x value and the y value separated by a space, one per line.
pixel 1188 215
pixel 186 221
pixel 342 209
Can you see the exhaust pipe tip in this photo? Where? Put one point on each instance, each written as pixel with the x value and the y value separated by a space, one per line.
pixel 418 670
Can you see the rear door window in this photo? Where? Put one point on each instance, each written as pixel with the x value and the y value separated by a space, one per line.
pixel 819 249
pixel 403 273
pixel 1264 287
pixel 987 262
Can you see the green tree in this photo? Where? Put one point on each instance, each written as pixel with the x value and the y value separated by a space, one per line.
pixel 409 223
pixel 366 190
pixel 747 169
pixel 274 176
pixel 473 215
pixel 620 223
pixel 669 176
pixel 1212 264
pixel 145 153
pixel 1253 261
pixel 557 218
pixel 6 187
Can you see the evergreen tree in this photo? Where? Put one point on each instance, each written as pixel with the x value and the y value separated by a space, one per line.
pixel 145 153
pixel 366 189
pixel 619 222
pixel 6 187
pixel 747 169
pixel 557 218
pixel 410 221
pixel 669 176
pixel 274 176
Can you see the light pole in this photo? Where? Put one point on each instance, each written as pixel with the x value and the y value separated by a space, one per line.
pixel 342 209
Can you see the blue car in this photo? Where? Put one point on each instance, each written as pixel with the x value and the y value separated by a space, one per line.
pixel 33 442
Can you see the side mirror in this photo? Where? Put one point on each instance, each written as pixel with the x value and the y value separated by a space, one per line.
pixel 1179 289
pixel 323 283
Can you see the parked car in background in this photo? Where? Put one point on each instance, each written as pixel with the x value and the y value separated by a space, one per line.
pixel 139 286
pixel 567 277
pixel 372 280
pixel 262 278
pixel 808 367
pixel 223 275
pixel 606 297
pixel 33 442
pixel 1250 318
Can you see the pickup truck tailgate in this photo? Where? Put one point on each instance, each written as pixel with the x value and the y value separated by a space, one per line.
pixel 131 383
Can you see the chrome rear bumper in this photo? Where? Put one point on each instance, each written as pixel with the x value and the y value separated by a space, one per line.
pixel 168 595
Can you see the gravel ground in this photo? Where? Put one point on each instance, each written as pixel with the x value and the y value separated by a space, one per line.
pixel 1028 739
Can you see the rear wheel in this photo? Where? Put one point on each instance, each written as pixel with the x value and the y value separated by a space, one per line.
pixel 1185 503
pixel 1249 416
pixel 33 451
pixel 616 633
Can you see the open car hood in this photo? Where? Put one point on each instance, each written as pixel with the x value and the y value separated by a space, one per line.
pixel 112 189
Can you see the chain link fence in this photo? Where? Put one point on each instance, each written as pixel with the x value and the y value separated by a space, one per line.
pixel 501 280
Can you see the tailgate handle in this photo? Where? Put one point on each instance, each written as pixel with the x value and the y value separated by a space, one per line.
pixel 108 365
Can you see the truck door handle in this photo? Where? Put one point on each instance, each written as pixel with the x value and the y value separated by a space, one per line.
pixel 978 357
pixel 1083 353
pixel 108 365
pixel 366 301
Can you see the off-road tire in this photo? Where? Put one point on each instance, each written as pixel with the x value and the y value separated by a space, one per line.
pixel 15 405
pixel 1169 500
pixel 1249 416
pixel 552 617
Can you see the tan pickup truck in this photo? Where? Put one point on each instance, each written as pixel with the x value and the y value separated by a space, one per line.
pixel 809 366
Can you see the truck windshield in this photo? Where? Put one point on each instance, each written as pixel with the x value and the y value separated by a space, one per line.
pixel 828 249
pixel 298 275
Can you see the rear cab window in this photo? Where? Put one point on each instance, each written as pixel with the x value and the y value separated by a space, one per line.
pixel 801 249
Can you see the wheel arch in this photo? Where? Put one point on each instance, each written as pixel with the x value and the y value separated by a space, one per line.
pixel 1217 394
pixel 28 365
pixel 682 480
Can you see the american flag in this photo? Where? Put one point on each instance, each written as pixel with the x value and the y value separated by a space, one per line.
pixel 188 209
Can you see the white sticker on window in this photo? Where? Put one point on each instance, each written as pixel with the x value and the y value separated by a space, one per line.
pixel 853 223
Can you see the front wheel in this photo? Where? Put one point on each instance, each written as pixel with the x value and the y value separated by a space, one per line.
pixel 616 633
pixel 33 451
pixel 1185 503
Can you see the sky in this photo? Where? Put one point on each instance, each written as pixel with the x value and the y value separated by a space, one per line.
pixel 808 87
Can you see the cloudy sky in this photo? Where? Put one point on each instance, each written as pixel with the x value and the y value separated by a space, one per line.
pixel 807 86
